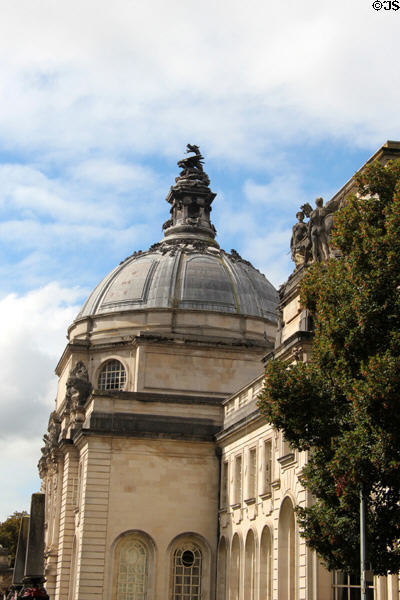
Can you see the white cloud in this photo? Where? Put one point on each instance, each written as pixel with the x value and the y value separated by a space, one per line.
pixel 33 330
pixel 117 175
pixel 146 76
pixel 270 253
pixel 18 466
pixel 34 194
pixel 283 190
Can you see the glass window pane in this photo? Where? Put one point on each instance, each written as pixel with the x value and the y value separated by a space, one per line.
pixel 112 376
pixel 132 570
pixel 187 570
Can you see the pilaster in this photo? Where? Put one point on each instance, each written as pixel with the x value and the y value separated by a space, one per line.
pixel 93 515
pixel 67 527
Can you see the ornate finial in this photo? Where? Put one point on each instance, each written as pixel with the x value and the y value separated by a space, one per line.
pixel 192 167
pixel 190 200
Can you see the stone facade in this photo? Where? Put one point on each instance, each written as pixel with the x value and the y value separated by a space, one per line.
pixel 162 480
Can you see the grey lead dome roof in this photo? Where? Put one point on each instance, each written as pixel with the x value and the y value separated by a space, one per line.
pixel 211 280
pixel 187 269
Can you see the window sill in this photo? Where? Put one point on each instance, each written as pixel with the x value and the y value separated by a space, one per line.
pixel 286 460
pixel 250 500
pixel 265 496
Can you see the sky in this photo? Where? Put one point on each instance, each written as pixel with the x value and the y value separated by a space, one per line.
pixel 97 103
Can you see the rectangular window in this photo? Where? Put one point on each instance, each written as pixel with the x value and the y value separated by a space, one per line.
pixel 252 474
pixel 267 466
pixel 75 492
pixel 347 587
pixel 224 485
pixel 238 479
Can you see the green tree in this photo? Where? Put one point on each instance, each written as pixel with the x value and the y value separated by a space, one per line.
pixel 9 530
pixel 344 404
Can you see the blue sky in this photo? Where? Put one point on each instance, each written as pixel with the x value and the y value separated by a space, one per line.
pixel 97 103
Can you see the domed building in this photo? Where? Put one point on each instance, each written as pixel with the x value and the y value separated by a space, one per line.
pixel 131 467
pixel 162 480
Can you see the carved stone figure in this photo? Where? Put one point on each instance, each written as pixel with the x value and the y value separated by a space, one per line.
pixel 192 168
pixel 311 240
pixel 235 254
pixel 78 386
pixel 50 442
pixel 53 431
pixel 167 223
pixel 300 243
pixel 317 231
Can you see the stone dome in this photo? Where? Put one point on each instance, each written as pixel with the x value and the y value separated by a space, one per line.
pixel 187 269
pixel 184 277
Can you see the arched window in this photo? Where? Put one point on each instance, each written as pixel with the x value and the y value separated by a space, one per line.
pixel 112 376
pixel 234 574
pixel 250 566
pixel 187 571
pixel 286 551
pixel 131 569
pixel 266 565
pixel 221 572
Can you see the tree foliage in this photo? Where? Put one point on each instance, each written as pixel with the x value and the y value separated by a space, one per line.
pixel 344 404
pixel 9 531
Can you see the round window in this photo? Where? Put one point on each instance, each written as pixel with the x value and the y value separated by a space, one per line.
pixel 187 558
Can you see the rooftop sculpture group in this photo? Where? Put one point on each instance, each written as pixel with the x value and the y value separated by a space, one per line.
pixel 310 241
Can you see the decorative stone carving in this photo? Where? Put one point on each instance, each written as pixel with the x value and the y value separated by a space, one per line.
pixel 193 246
pixel 300 244
pixel 280 324
pixel 51 438
pixel 50 443
pixel 78 386
pixel 312 239
pixel 192 168
pixel 168 223
pixel 317 232
pixel 235 257
pixel 190 199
